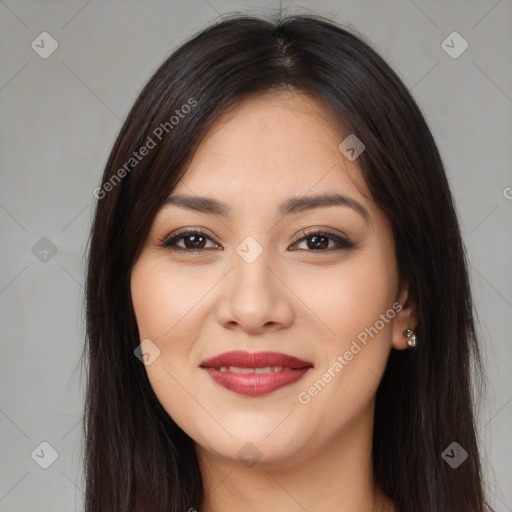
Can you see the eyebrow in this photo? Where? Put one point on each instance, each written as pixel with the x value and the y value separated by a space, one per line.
pixel 292 205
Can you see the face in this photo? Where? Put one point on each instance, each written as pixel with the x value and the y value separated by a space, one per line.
pixel 273 310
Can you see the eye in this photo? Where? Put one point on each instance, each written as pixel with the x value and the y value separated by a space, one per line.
pixel 193 241
pixel 318 241
pixel 196 241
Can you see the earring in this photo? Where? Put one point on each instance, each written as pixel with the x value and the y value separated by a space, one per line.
pixel 411 337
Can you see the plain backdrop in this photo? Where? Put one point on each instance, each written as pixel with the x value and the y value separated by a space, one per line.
pixel 60 113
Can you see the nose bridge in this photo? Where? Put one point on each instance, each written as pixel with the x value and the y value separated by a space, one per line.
pixel 254 299
pixel 252 276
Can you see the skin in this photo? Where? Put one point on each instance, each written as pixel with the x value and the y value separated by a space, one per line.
pixel 307 303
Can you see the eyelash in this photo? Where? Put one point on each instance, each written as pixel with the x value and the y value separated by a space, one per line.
pixel 169 242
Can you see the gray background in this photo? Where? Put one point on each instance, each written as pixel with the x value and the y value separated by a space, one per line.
pixel 59 117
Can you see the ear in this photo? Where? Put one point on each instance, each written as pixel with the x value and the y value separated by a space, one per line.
pixel 406 318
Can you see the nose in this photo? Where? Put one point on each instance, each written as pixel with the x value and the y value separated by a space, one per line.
pixel 254 298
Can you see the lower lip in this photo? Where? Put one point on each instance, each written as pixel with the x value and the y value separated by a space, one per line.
pixel 255 384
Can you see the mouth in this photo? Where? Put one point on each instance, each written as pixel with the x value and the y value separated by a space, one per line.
pixel 255 374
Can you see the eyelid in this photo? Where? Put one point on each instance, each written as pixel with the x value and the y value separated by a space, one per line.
pixel 319 230
pixel 179 234
pixel 341 240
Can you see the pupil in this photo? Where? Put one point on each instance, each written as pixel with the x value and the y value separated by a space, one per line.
pixel 194 245
pixel 197 242
pixel 316 244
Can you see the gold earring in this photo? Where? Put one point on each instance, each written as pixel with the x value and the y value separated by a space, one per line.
pixel 411 337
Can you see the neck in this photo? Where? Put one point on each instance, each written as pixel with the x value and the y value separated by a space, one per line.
pixel 337 476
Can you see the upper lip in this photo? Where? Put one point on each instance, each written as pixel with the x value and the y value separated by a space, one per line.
pixel 243 359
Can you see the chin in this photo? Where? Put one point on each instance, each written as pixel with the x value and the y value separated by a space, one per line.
pixel 249 452
pixel 254 442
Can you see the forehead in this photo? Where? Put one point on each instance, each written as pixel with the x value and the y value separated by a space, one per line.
pixel 272 146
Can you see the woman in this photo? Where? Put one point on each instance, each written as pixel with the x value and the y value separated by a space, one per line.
pixel 278 308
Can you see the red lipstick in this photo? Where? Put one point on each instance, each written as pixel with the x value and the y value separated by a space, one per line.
pixel 255 374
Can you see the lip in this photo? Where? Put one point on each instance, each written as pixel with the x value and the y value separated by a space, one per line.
pixel 290 369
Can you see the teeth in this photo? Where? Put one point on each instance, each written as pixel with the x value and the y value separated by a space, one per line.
pixel 240 370
pixel 267 369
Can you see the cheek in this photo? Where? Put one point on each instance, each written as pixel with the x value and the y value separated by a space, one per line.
pixel 166 304
pixel 358 295
pixel 163 297
pixel 173 385
pixel 367 293
pixel 171 306
pixel 349 298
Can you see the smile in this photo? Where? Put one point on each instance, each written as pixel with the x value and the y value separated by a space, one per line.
pixel 267 369
pixel 255 374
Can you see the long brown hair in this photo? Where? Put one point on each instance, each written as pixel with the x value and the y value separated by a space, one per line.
pixel 136 457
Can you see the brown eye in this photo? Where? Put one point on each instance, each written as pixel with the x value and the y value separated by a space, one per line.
pixel 192 241
pixel 318 241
